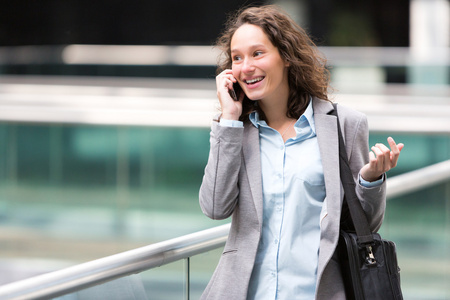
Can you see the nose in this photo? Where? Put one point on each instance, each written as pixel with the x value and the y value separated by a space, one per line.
pixel 248 66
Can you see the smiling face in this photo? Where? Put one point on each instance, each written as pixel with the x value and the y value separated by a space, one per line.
pixel 258 66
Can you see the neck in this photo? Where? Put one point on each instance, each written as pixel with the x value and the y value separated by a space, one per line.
pixel 275 113
pixel 274 105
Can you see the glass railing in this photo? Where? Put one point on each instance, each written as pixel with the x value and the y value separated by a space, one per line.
pixel 147 285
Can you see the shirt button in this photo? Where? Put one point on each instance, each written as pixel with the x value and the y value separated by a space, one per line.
pixel 276 241
pixel 281 147
pixel 280 176
pixel 273 274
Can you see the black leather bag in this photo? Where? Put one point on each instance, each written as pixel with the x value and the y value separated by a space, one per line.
pixel 368 263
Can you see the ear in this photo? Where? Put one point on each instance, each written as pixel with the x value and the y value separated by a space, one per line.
pixel 286 63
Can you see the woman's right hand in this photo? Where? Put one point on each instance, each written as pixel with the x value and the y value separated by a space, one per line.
pixel 231 109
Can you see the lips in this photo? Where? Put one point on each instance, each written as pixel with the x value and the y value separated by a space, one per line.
pixel 253 80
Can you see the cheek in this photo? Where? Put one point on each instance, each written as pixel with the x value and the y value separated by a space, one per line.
pixel 235 71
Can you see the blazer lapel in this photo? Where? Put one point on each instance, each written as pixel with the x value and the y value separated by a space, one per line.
pixel 252 161
pixel 327 137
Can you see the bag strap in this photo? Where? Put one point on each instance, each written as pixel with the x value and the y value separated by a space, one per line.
pixel 354 205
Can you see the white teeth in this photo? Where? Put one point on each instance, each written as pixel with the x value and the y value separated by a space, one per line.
pixel 254 80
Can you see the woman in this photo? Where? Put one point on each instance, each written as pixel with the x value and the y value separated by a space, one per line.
pixel 273 164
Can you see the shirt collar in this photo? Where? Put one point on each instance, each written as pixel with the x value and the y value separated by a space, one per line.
pixel 307 116
pixel 254 118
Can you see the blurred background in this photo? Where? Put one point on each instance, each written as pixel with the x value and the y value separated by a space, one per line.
pixel 105 108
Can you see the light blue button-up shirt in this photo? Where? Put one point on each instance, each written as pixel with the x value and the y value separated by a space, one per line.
pixel 293 195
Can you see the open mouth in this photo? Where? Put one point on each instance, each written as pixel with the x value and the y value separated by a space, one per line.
pixel 254 80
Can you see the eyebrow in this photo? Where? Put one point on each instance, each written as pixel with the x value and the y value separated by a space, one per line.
pixel 251 47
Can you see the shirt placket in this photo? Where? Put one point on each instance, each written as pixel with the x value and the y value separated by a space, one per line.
pixel 279 203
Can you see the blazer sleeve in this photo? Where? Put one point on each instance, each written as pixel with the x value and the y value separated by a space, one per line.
pixel 373 199
pixel 219 190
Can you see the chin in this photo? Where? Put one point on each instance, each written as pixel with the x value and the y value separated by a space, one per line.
pixel 253 97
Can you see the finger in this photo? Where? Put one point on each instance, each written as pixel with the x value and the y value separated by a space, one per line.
pixel 226 74
pixel 226 71
pixel 229 74
pixel 372 161
pixel 223 89
pixel 225 82
pixel 395 151
pixel 383 157
pixel 385 151
pixel 393 145
pixel 379 159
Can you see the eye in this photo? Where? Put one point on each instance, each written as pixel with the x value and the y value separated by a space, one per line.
pixel 236 58
pixel 258 53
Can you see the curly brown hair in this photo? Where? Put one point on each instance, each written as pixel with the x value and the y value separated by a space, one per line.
pixel 307 72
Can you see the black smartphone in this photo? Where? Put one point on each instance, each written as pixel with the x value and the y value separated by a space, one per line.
pixel 235 91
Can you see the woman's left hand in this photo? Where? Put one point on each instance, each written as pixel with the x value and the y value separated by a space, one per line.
pixel 381 160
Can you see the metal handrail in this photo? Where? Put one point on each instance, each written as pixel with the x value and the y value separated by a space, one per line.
pixel 134 261
pixel 88 274
pixel 418 179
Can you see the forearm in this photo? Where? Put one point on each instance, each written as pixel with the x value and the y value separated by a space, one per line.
pixel 373 198
pixel 373 201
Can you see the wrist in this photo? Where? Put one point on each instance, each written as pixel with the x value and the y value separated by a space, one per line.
pixel 369 184
pixel 371 178
pixel 228 116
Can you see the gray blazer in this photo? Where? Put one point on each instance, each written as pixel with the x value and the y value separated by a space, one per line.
pixel 232 187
